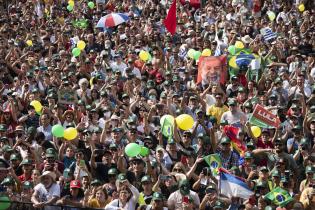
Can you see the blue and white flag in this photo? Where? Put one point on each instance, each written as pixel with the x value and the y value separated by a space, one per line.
pixel 232 186
pixel 268 34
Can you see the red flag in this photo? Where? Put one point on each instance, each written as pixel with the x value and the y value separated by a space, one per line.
pixel 232 132
pixel 170 20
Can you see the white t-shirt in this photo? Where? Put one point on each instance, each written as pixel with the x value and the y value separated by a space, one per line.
pixel 48 194
pixel 176 199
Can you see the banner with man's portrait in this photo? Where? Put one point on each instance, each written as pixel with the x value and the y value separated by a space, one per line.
pixel 212 69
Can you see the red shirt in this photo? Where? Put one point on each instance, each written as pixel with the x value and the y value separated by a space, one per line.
pixel 262 145
pixel 23 179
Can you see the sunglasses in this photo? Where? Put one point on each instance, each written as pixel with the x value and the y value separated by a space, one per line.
pixel 177 170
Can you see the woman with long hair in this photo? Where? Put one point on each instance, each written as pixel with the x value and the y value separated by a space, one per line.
pixel 99 199
pixel 128 197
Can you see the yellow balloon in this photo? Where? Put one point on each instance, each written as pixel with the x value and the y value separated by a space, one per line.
pixel 29 43
pixel 184 122
pixel 70 134
pixel 301 7
pixel 37 105
pixel 144 55
pixel 206 52
pixel 81 45
pixel 271 15
pixel 239 45
pixel 256 131
pixel 71 3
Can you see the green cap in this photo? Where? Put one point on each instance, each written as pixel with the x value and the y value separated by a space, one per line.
pixel 7 148
pixel 275 173
pixel 231 102
pixel 263 168
pixel 269 208
pixel 96 182
pixel 26 162
pixel 225 140
pixel 122 177
pixel 248 155
pixel 157 196
pixel 8 181
pixel 261 184
pixel 146 178
pixel 184 187
pixel 309 169
pixel 27 185
pixel 112 171
pixel 241 89
pixel 304 141
pixel 218 204
pixel 250 144
pixel 125 95
pixel 297 128
pixel 14 157
pixel 50 152
pixel 3 127
pixel 278 80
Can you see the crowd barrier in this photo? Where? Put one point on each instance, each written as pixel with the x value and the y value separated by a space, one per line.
pixel 29 206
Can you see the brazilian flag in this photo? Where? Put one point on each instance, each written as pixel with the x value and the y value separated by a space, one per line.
pixel 279 197
pixel 167 128
pixel 214 161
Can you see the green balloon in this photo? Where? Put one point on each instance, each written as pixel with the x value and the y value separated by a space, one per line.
pixel 5 203
pixel 57 130
pixel 191 53
pixel 132 149
pixel 91 4
pixel 232 50
pixel 144 151
pixel 197 55
pixel 76 52
pixel 69 8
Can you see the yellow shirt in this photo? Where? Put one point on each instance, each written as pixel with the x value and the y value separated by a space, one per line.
pixel 216 111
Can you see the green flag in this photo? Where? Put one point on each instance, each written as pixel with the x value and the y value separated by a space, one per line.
pixel 214 161
pixel 279 197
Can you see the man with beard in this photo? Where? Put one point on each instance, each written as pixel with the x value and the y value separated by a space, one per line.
pixel 47 192
pixel 280 153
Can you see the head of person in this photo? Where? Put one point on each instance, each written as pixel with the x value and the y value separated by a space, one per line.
pixel 125 194
pixel 232 105
pixel 279 146
pixel 146 183
pixel 225 144
pixel 48 178
pixel 101 194
pixel 157 201
pixel 184 187
pixel 75 187
pixel 137 165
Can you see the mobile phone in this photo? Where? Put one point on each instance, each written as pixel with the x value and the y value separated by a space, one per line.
pixel 205 171
pixel 82 163
pixel 185 199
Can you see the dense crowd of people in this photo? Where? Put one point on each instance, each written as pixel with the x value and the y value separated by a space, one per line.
pixel 112 98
